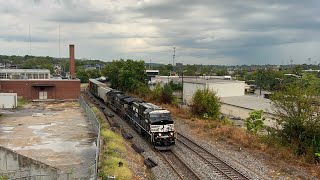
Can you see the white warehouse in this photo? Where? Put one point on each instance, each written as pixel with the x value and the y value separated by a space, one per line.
pixel 223 88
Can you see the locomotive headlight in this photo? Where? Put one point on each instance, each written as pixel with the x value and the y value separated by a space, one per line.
pixel 171 133
pixel 159 134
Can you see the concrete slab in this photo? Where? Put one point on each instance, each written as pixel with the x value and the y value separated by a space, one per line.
pixel 57 134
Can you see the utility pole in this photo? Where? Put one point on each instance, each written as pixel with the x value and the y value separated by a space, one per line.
pixel 59 43
pixel 182 87
pixel 29 41
pixel 173 57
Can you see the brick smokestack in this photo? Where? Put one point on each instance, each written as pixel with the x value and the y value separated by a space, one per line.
pixel 71 68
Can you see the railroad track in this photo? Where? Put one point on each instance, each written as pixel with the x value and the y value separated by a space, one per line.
pixel 219 166
pixel 179 167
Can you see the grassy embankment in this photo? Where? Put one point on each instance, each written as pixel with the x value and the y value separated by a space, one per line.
pixel 113 150
pixel 224 130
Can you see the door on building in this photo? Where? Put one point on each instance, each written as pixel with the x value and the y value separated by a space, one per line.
pixel 43 95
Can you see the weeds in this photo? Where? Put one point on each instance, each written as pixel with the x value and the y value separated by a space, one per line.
pixel 22 101
pixel 223 130
pixel 3 177
pixel 112 151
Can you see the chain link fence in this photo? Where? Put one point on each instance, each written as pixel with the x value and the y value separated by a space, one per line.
pixel 96 128
pixel 45 173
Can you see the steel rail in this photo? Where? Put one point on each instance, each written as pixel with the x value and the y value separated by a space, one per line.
pixel 179 167
pixel 222 168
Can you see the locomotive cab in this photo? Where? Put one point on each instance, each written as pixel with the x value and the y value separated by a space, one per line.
pixel 162 129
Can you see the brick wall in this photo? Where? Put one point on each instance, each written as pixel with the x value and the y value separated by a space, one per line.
pixel 56 89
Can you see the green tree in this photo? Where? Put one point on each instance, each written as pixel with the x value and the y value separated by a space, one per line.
pixel 95 73
pixel 175 86
pixel 156 92
pixel 82 75
pixel 166 94
pixel 254 122
pixel 205 103
pixel 297 113
pixel 126 75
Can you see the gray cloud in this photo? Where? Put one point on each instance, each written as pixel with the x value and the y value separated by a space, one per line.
pixel 206 31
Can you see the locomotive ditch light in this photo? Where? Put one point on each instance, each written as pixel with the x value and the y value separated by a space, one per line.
pixel 159 134
pixel 171 133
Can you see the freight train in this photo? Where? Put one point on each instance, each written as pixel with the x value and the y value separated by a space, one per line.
pixel 154 123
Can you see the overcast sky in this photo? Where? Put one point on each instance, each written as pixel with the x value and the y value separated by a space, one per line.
pixel 203 31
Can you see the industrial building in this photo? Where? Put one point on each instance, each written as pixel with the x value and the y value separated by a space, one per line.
pixel 24 74
pixel 34 84
pixel 223 88
pixel 42 89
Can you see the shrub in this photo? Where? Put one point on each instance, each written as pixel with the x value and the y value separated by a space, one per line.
pixel 22 101
pixel 254 122
pixel 205 103
pixel 166 94
pixel 298 115
pixel 156 93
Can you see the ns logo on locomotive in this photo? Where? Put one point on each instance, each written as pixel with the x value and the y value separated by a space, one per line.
pixel 151 121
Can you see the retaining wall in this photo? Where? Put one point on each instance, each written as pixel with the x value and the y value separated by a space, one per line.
pixel 14 165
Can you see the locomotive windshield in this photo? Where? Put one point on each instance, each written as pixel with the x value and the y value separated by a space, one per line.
pixel 163 122
pixel 157 115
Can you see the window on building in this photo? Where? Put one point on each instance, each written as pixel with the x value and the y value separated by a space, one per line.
pixel 29 75
pixel 3 76
pixel 35 76
pixel 41 76
pixel 15 76
pixel 46 76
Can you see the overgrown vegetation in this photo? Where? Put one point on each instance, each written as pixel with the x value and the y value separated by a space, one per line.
pixel 112 152
pixel 3 178
pixel 163 95
pixel 22 101
pixel 111 157
pixel 297 109
pixel 206 104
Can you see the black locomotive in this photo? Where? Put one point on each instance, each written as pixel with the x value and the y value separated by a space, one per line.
pixel 151 121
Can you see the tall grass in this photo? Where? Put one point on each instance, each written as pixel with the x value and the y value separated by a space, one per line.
pixel 112 156
pixel 112 152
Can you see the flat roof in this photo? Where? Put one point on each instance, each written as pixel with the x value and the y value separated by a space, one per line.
pixel 205 81
pixel 150 70
pixel 249 102
pixel 47 80
pixel 194 79
pixel 57 134
pixel 24 70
